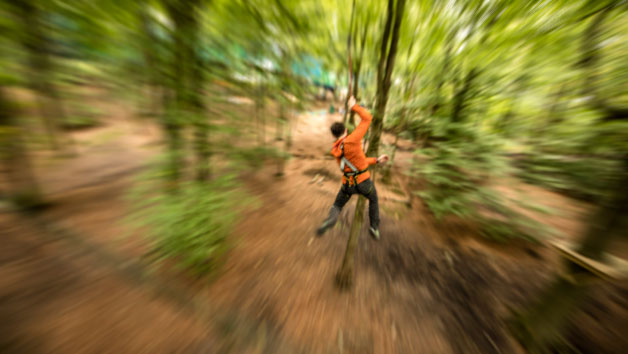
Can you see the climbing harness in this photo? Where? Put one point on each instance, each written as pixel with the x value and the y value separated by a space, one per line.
pixel 350 176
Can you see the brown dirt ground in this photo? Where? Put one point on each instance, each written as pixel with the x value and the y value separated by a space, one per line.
pixel 426 287
pixel 56 300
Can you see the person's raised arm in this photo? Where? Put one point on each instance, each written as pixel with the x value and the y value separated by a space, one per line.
pixel 365 121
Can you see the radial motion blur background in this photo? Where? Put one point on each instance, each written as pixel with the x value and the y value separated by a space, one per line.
pixel 165 164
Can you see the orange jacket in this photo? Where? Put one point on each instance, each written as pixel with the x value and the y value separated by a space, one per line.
pixel 353 146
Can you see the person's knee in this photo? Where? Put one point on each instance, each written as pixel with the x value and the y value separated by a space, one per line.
pixel 372 194
pixel 341 201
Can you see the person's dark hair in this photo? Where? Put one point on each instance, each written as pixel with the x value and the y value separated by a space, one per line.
pixel 337 129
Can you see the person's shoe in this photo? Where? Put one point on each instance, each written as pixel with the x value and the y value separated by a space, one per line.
pixel 326 225
pixel 374 233
pixel 329 222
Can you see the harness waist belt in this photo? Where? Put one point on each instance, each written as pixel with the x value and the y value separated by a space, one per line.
pixel 351 174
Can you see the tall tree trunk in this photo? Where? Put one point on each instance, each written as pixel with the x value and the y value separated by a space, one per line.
pixel 175 146
pixel 281 123
pixel 151 79
pixel 358 68
pixel 392 155
pixel 384 76
pixel 462 96
pixel 436 105
pixel 356 77
pixel 555 112
pixel 23 188
pixel 188 85
pixel 344 277
pixel 350 68
pixel 40 68
pixel 409 88
pixel 175 110
pixel 280 119
pixel 260 110
pixel 255 92
pixel 203 149
pixel 520 85
pixel 184 98
pixel 290 121
pixel 284 110
pixel 198 109
pixel 387 170
pixel 201 133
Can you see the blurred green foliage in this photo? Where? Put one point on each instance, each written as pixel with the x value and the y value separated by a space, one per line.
pixel 255 157
pixel 587 178
pixel 463 177
pixel 193 226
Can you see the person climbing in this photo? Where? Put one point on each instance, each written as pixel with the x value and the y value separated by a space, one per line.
pixel 354 166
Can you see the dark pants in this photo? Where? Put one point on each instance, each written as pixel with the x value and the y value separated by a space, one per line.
pixel 367 189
